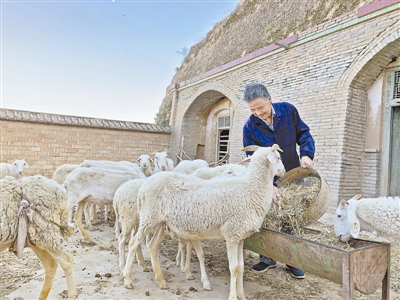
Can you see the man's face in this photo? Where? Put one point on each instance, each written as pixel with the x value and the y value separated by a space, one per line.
pixel 261 108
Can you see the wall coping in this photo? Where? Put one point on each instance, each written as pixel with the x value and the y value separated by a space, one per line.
pixel 66 120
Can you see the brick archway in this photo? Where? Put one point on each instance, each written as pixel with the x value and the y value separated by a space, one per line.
pixel 374 47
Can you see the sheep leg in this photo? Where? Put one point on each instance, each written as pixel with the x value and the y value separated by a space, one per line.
pixel 133 232
pixel 134 243
pixel 87 216
pixel 50 268
pixel 78 221
pixel 122 238
pixel 93 214
pixel 153 251
pixel 186 267
pixel 117 225
pixel 113 212
pixel 232 250
pixel 66 262
pixel 200 255
pixel 140 259
pixel 71 215
pixel 239 286
pixel 180 256
pixel 106 212
pixel 121 249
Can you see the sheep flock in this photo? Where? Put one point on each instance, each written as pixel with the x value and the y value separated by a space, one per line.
pixel 149 199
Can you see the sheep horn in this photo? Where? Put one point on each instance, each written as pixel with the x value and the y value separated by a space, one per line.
pixel 357 197
pixel 276 147
pixel 251 148
pixel 247 159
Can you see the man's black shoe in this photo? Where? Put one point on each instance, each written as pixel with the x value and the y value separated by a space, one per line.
pixel 262 266
pixel 296 273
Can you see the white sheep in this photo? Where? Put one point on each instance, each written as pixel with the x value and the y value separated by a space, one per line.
pixel 234 170
pixel 162 162
pixel 95 186
pixel 231 208
pixel 380 216
pixel 205 173
pixel 123 165
pixel 127 218
pixel 127 222
pixel 34 214
pixel 106 164
pixel 209 173
pixel 189 166
pixel 145 162
pixel 59 176
pixel 62 171
pixel 16 169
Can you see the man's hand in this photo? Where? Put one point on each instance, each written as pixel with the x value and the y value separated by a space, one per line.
pixel 307 162
pixel 275 195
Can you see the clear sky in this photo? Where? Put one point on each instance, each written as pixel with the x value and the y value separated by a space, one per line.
pixel 104 59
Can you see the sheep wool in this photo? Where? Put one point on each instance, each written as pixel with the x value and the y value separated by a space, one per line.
pixel 231 208
pixel 50 201
pixel 189 166
pixel 47 225
pixel 10 197
pixel 62 171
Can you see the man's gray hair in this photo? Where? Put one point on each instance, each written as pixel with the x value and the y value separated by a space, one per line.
pixel 254 91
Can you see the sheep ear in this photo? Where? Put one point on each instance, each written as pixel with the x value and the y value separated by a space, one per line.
pixel 250 148
pixel 276 147
pixel 272 157
pixel 353 223
pixel 138 160
pixel 150 159
pixel 356 197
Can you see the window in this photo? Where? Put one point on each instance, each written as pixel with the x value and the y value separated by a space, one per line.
pixel 224 122
pixel 223 137
pixel 396 85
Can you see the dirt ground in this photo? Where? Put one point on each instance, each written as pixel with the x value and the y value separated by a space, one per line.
pixel 98 276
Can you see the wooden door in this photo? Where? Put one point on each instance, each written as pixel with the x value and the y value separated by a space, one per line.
pixel 394 183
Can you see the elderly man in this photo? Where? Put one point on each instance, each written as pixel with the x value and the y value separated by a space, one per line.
pixel 277 123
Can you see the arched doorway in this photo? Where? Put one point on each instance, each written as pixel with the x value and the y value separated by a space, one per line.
pixel 206 127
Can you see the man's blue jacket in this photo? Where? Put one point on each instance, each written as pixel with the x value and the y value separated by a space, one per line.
pixel 289 130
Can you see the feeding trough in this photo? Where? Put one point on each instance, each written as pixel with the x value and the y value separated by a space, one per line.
pixel 365 268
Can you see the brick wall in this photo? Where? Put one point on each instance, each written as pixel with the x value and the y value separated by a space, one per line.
pixel 325 74
pixel 47 141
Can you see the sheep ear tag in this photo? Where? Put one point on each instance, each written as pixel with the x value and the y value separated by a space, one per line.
pixel 352 222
